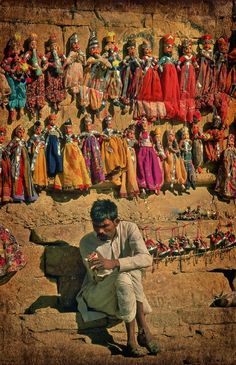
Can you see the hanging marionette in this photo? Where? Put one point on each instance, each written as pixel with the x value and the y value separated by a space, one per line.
pixel 11 257
pixel 149 98
pixel 23 187
pixel 174 169
pixel 231 77
pixel 197 138
pixel 4 89
pixel 75 175
pixel 221 59
pixel 5 170
pixel 131 74
pixel 53 137
pixel 94 79
pixel 206 76
pixel 36 148
pixel 226 179
pixel 35 89
pixel 54 78
pixel 214 139
pixel 129 185
pixel 113 76
pixel 73 67
pixel 185 147
pixel 169 79
pixel 186 66
pixel 149 168
pixel 16 69
pixel 91 151
pixel 156 134
pixel 113 152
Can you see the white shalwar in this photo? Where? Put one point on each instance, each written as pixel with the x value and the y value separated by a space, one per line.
pixel 114 292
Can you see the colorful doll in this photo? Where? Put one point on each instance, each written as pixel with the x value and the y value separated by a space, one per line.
pixel 226 179
pixel 35 89
pixel 174 169
pixel 156 133
pixel 113 152
pixel 91 151
pixel 197 147
pixel 73 67
pixel 5 170
pixel 231 77
pixel 221 59
pixel 54 82
pixel 131 74
pixel 113 76
pixel 4 89
pixel 169 79
pixel 23 187
pixel 11 257
pixel 129 184
pixel 75 174
pixel 206 78
pixel 53 136
pixel 150 98
pixel 149 169
pixel 214 139
pixel 15 69
pixel 94 79
pixel 36 148
pixel 185 147
pixel 186 66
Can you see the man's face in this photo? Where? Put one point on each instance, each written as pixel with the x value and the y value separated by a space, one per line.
pixel 106 229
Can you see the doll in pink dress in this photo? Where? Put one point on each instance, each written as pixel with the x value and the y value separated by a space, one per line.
pixel 149 169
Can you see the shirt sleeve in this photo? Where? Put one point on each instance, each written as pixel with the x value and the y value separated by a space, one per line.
pixel 140 257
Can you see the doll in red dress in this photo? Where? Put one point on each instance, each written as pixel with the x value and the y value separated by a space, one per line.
pixel 5 170
pixel 186 66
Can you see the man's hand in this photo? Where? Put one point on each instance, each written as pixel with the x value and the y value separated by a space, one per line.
pixel 97 261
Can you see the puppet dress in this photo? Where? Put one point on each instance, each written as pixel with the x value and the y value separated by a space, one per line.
pixel 36 147
pixel 74 72
pixel 187 85
pixel 75 174
pixel 5 176
pixel 174 168
pixel 149 169
pixel 170 87
pixel 129 184
pixel 226 179
pixel 205 85
pixel 150 98
pixel 11 257
pixel 92 155
pixel 52 136
pixel 22 182
pixel 54 80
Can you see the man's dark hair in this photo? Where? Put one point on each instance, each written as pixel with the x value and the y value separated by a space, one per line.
pixel 103 209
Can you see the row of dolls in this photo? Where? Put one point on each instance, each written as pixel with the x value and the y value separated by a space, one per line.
pixel 157 88
pixel 70 161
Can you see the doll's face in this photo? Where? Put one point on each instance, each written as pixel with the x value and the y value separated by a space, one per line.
pixel 20 133
pixel 188 50
pixel 109 124
pixel 131 51
pixel 94 51
pixel 110 46
pixel 54 47
pixel 2 137
pixel 33 44
pixel 88 126
pixel 223 47
pixel 231 142
pixel 144 124
pixel 130 134
pixel 52 121
pixel 38 130
pixel 171 137
pixel 186 135
pixel 147 51
pixel 68 129
pixel 158 135
pixel 195 129
pixel 75 46
pixel 168 49
pixel 207 45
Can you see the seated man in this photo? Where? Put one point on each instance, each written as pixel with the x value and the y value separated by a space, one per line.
pixel 114 256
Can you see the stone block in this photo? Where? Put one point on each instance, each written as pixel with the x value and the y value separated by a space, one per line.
pixel 63 261
pixel 68 288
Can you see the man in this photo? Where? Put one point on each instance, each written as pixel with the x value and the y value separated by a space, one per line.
pixel 114 256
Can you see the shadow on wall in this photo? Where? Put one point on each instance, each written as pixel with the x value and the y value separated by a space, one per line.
pixel 63 263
